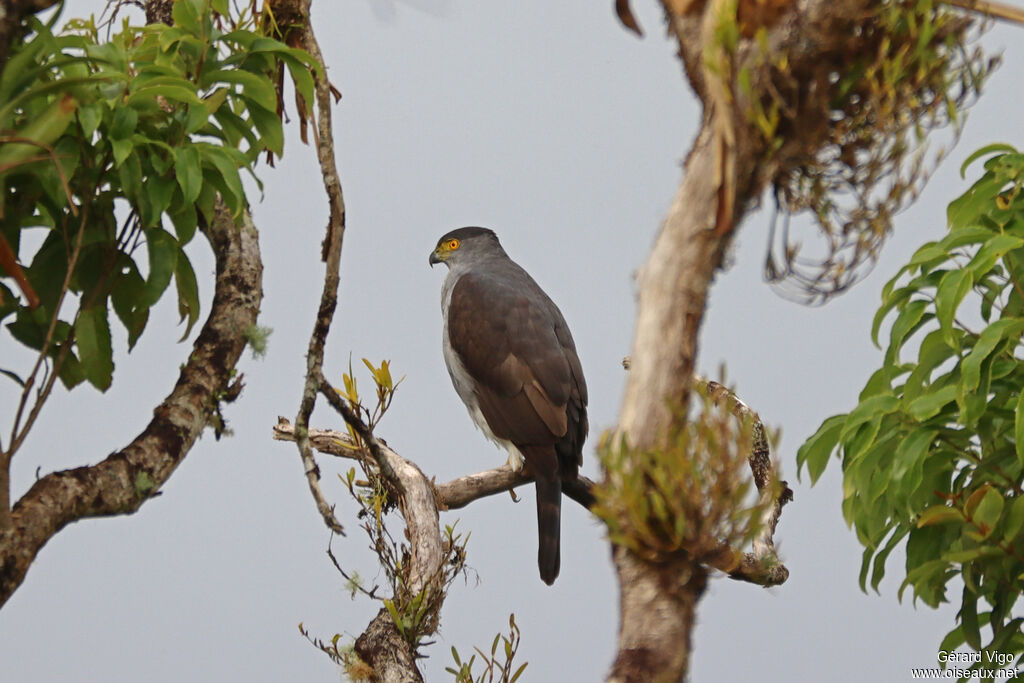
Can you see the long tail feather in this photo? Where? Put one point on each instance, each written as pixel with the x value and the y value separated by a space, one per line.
pixel 549 514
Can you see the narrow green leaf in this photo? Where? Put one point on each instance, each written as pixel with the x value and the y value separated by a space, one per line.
pixel 188 293
pixel 269 126
pixel 993 250
pixel 815 452
pixel 163 257
pixel 929 404
pixel 227 170
pixel 988 340
pixel 157 193
pixel 92 336
pixel 257 88
pixel 984 151
pixel 933 352
pixel 123 123
pixel 866 410
pixel 128 299
pixel 951 291
pixel 969 619
pixel 185 220
pixel 967 209
pixel 878 567
pixel 988 512
pixel 13 375
pixel 518 673
pixel 905 324
pixel 189 172
pixel 939 514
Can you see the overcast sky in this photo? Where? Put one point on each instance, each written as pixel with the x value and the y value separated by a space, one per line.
pixel 563 132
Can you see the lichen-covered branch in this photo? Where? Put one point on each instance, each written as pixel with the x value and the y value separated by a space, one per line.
pixel 122 482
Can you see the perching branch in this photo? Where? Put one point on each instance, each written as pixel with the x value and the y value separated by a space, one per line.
pixel 761 568
pixel 122 482
pixel 452 495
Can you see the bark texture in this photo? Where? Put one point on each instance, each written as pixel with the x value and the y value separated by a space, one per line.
pixel 126 479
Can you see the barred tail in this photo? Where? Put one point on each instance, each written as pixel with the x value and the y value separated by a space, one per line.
pixel 549 513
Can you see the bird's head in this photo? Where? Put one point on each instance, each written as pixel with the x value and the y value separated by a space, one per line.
pixel 464 243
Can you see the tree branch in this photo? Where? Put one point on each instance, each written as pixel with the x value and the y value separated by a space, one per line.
pixel 452 495
pixel 659 601
pixel 295 15
pixel 122 482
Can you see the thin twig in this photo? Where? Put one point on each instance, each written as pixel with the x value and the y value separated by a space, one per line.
pixel 17 437
pixel 329 296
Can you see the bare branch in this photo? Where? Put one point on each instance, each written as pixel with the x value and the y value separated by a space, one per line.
pixel 122 482
pixel 300 26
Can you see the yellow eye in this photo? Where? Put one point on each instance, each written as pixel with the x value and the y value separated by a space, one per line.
pixel 453 244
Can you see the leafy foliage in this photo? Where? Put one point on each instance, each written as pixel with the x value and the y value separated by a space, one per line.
pixel 933 454
pixel 503 670
pixel 121 143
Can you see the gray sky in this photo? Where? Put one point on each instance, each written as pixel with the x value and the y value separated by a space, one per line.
pixel 563 132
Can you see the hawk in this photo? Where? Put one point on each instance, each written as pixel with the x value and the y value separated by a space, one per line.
pixel 513 363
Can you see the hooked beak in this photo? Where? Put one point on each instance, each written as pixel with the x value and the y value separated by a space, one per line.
pixel 434 258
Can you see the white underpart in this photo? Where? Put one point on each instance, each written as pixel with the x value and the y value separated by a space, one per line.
pixel 464 383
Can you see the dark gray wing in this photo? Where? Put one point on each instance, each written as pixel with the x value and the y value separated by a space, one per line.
pixel 514 343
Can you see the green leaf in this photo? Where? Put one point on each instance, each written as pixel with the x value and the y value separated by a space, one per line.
pixel 92 336
pixel 967 209
pixel 939 514
pixel 988 512
pixel 157 193
pixel 227 170
pixel 910 453
pixel 257 88
pixel 269 126
pixel 984 151
pixel 127 296
pixel 909 319
pixel 189 172
pixel 988 340
pixel 123 123
pixel 969 619
pixel 929 404
pixel 878 567
pixel 815 452
pixel 187 13
pixel 933 351
pixel 163 257
pixel 866 410
pixel 993 250
pixel 188 293
pixel 185 220
pixel 14 376
pixel 952 289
